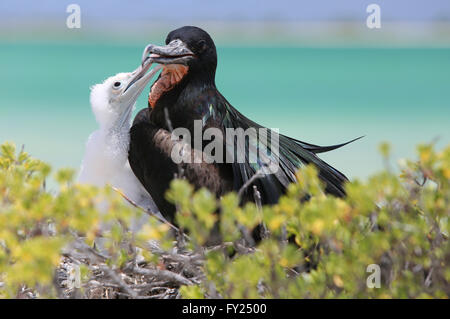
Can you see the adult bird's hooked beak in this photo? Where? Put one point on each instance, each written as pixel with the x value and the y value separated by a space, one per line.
pixel 176 52
pixel 174 57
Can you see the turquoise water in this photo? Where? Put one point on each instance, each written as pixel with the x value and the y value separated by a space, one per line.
pixel 319 95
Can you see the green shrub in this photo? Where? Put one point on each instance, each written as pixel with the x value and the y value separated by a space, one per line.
pixel 397 224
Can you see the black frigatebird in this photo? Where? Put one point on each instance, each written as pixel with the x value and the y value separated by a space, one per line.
pixel 186 91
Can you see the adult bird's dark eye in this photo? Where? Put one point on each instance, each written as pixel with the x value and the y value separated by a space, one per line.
pixel 201 45
pixel 117 84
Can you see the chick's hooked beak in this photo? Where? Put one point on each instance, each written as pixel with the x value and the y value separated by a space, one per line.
pixel 137 83
pixel 139 79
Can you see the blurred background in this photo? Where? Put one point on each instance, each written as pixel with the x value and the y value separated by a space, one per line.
pixel 313 69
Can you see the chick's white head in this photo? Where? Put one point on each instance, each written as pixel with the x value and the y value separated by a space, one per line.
pixel 113 100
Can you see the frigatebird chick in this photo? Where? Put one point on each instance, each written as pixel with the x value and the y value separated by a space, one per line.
pixel 106 157
pixel 186 90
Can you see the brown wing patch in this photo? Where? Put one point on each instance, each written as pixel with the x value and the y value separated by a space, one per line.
pixel 170 76
pixel 197 172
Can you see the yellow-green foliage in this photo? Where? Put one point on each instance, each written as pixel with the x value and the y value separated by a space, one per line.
pixel 35 224
pixel 400 223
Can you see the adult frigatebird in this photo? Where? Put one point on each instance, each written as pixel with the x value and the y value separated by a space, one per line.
pixel 185 92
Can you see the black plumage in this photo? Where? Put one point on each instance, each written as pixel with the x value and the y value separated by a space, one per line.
pixel 195 97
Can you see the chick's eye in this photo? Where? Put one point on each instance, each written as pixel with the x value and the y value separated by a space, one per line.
pixel 117 85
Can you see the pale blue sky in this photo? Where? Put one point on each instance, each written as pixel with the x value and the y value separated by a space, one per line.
pixel 253 10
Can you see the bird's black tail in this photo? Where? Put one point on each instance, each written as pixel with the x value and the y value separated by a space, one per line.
pixel 292 154
pixel 316 149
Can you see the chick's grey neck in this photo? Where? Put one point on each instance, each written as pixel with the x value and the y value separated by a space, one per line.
pixel 117 135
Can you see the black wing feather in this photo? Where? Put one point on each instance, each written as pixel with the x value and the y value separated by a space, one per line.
pixel 293 154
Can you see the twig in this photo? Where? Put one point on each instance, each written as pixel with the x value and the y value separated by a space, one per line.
pixel 161 274
pixel 259 173
pixel 159 218
pixel 195 259
pixel 428 279
pixel 78 244
pixel 264 232
pixel 246 235
pixel 284 239
pixel 257 197
pixel 111 274
pixel 181 234
pixel 144 288
pixel 242 249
